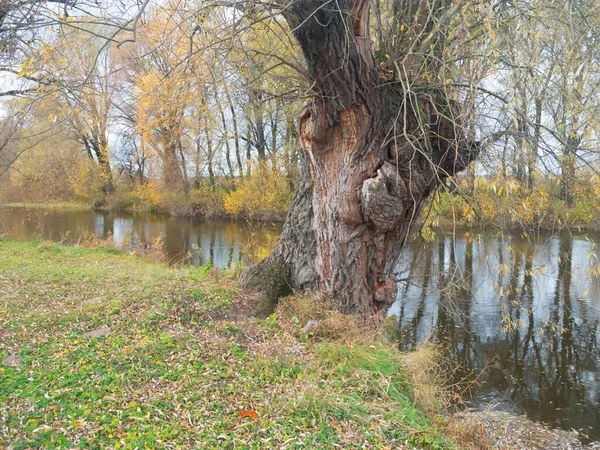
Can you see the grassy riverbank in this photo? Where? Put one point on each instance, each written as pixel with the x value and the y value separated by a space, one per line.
pixel 265 195
pixel 508 205
pixel 53 205
pixel 100 349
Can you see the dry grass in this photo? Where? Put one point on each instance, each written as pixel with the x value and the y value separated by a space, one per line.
pixel 331 324
pixel 425 367
pixel 429 377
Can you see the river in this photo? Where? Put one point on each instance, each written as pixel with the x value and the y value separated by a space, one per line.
pixel 518 315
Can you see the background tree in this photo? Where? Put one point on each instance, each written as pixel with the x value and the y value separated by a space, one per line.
pixel 163 91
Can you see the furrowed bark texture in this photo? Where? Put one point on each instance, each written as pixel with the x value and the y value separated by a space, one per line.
pixel 364 180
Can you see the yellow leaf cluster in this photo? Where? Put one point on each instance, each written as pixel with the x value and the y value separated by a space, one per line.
pixel 264 193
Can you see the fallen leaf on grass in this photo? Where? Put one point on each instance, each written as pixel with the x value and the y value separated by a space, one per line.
pixel 248 413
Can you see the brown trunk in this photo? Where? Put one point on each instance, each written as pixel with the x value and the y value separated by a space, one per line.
pixel 106 171
pixel 363 182
pixel 172 171
pixel 567 182
pixel 290 156
pixel 209 153
pixel 183 166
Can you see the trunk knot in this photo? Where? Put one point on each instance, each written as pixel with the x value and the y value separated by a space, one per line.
pixel 382 198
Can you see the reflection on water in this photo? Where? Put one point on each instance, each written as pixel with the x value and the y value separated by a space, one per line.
pixel 523 314
pixel 223 243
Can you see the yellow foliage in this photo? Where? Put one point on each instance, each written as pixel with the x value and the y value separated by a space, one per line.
pixel 508 203
pixel 265 194
pixel 147 193
pixel 87 182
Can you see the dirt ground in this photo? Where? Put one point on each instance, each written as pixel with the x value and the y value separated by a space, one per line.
pixel 505 431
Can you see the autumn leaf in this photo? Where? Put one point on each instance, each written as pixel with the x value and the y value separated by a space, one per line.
pixel 248 413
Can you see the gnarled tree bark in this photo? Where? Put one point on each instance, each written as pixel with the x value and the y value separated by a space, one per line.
pixel 371 157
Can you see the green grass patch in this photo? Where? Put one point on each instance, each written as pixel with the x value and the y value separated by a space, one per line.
pixel 168 372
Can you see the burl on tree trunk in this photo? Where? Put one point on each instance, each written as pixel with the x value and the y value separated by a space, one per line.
pixel 372 155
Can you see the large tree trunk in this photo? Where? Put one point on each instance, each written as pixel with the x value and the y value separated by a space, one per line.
pixel 363 181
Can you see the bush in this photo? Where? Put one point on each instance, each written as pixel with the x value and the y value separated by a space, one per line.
pixel 208 202
pixel 265 195
pixel 507 203
pixel 120 200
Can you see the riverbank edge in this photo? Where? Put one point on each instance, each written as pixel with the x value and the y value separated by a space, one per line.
pixel 529 229
pixel 443 225
pixel 102 341
pixel 508 431
pixel 274 217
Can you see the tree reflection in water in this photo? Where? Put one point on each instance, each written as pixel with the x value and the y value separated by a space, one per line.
pixel 221 243
pixel 526 311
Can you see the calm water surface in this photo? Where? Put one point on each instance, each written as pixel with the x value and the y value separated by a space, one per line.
pixel 521 314
pixel 223 243
pixel 518 315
